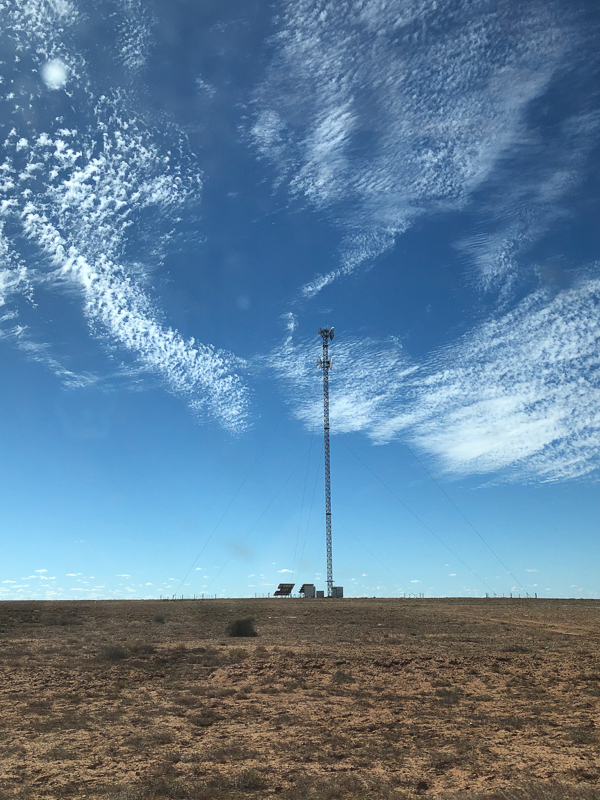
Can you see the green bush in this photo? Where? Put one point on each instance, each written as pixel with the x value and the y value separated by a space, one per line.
pixel 244 626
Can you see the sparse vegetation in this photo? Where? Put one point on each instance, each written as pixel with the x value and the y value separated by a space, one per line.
pixel 327 707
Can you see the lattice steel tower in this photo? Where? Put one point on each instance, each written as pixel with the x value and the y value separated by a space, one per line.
pixel 324 363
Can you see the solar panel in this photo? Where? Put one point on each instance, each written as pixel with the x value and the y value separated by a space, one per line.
pixel 284 590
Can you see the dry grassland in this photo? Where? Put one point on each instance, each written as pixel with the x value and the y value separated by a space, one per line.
pixel 138 700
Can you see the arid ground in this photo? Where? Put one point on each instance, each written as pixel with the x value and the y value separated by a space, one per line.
pixel 134 700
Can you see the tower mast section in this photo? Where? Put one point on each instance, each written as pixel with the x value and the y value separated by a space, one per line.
pixel 326 335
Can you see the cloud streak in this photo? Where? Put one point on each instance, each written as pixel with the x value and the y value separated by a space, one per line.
pixel 378 113
pixel 517 398
pixel 80 194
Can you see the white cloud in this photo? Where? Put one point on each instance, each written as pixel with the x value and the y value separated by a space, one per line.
pixel 285 570
pixel 518 396
pixel 452 575
pixel 415 581
pixel 41 570
pixel 8 581
pixel 134 34
pixel 96 190
pixel 148 584
pixel 531 570
pixel 525 198
pixel 124 575
pixel 377 124
pixel 367 377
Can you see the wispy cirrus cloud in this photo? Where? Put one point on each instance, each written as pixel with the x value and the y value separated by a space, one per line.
pixel 531 191
pixel 518 397
pixel 80 191
pixel 378 113
pixel 367 375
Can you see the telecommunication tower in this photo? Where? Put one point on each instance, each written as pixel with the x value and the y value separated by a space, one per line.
pixel 324 363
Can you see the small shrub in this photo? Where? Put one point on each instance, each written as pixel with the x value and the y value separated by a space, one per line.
pixel 39 705
pixel 229 752
pixel 165 786
pixel 343 787
pixel 61 754
pixel 441 761
pixel 143 649
pixel 340 677
pixel 162 737
pixel 448 697
pixel 511 722
pixel 244 626
pixel 66 620
pixel 583 735
pixel 112 653
pixel 187 700
pixel 205 718
pixel 160 619
pixel 284 719
pixel 249 780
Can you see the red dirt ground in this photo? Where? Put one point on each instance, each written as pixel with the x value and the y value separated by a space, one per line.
pixel 134 700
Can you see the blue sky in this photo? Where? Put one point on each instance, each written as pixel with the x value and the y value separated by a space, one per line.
pixel 189 190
